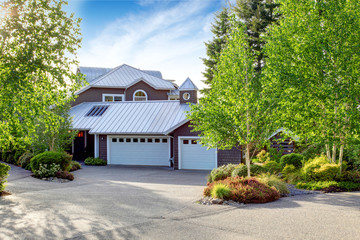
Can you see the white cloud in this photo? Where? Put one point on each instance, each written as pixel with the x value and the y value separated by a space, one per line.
pixel 170 40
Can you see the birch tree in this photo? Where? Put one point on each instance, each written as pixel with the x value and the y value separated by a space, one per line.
pixel 313 68
pixel 38 46
pixel 234 112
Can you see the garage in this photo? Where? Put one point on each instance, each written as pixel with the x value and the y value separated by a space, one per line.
pixel 192 155
pixel 149 151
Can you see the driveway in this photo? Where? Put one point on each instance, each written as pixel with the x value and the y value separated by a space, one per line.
pixel 115 202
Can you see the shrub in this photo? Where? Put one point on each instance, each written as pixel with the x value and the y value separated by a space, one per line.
pixel 242 170
pixel 292 158
pixel 95 161
pixel 274 181
pixel 349 186
pixel 17 156
pixel 4 173
pixel 64 175
pixel 349 176
pixel 275 154
pixel 60 158
pixel 316 185
pixel 220 190
pixel 263 156
pixel 272 167
pixel 246 190
pixel 47 170
pixel 288 169
pixel 221 172
pixel 25 158
pixel 74 165
pixel 319 169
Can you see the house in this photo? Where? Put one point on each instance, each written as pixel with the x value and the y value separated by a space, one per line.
pixel 130 116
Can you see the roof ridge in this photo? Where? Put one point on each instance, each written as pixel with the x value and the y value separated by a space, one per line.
pixel 102 76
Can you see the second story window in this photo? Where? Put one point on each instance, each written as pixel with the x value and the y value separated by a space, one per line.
pixel 140 95
pixel 113 97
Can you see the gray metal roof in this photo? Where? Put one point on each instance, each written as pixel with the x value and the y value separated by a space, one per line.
pixel 92 73
pixel 150 117
pixel 188 85
pixel 174 92
pixel 125 76
pixel 153 73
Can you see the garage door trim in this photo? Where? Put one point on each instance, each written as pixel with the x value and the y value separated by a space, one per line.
pixel 191 137
pixel 109 137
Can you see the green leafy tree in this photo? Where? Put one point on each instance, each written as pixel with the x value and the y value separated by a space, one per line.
pixel 234 112
pixel 220 29
pixel 38 46
pixel 257 15
pixel 313 70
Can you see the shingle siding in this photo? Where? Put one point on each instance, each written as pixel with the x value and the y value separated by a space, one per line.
pixel 95 95
pixel 193 97
pixel 103 147
pixel 152 93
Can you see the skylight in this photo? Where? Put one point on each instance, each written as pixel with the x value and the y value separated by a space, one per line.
pixel 97 111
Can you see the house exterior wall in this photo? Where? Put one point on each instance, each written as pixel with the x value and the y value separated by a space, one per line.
pixel 152 93
pixel 95 95
pixel 103 147
pixel 223 156
pixel 193 97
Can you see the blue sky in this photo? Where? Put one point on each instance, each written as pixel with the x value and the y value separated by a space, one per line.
pixel 165 35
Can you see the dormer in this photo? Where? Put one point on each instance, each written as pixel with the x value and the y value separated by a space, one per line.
pixel 188 92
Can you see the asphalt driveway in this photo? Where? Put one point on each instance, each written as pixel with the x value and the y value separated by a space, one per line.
pixel 115 202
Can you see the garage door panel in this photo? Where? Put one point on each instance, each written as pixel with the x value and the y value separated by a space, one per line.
pixel 196 156
pixel 138 153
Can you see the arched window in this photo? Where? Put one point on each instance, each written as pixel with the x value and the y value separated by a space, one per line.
pixel 140 95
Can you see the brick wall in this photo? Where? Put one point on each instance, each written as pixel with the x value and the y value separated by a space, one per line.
pixel 223 156
pixel 152 93
pixel 103 147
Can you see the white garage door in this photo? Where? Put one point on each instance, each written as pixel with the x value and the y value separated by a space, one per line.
pixel 195 156
pixel 153 151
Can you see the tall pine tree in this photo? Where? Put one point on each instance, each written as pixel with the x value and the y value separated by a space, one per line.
pixel 256 15
pixel 220 29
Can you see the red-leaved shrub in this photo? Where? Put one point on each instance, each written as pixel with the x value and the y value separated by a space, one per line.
pixel 64 175
pixel 246 190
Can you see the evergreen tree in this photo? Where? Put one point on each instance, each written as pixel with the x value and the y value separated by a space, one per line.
pixel 256 15
pixel 220 29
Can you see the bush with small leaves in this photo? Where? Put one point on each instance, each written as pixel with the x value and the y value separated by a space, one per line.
pixel 221 172
pixel 292 158
pixel 319 169
pixel 74 166
pixel 95 161
pixel 263 156
pixel 47 170
pixel 272 167
pixel 242 170
pixel 4 173
pixel 60 158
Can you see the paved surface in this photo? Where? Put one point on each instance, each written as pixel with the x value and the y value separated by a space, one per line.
pixel 116 202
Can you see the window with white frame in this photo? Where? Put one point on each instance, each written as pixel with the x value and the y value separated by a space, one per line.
pixel 140 95
pixel 113 97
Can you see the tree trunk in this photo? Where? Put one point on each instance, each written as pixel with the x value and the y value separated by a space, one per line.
pixel 328 155
pixel 341 154
pixel 247 157
pixel 334 154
